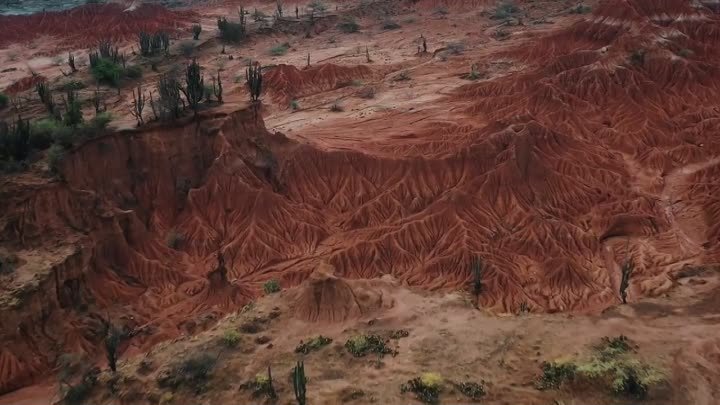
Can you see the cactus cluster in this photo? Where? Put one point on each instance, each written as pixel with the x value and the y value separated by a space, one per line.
pixel 253 76
pixel 153 44
pixel 299 383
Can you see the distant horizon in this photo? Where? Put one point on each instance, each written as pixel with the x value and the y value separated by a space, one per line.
pixel 28 7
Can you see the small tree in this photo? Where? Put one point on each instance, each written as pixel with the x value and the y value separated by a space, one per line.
pixel 169 100
pixel 299 383
pixel 196 30
pixel 627 270
pixel 194 86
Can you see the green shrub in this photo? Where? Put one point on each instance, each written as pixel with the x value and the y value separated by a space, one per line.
pixel 362 345
pixel 42 132
pixel 504 11
pixel 555 374
pixel 192 372
pixel 427 388
pixel 231 31
pixel 231 338
pixel 348 25
pixel 455 48
pixel 313 344
pixel 55 155
pixel 271 286
pixel 399 333
pixel 390 25
pixel 280 49
pixel 472 390
pixel 196 30
pixel 336 107
pixel 72 85
pixel 611 364
pixel 133 72
pixel 4 100
pixel 294 105
pixel 580 9
pixel 107 71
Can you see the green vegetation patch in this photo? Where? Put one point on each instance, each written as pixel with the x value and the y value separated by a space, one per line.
pixel 314 344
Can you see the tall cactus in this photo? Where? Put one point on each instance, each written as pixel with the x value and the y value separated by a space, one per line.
pixel 299 383
pixel 217 88
pixel 253 75
pixel 194 85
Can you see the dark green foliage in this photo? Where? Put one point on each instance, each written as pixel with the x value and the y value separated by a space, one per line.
pixel 15 140
pixel 399 333
pixel 112 341
pixel 313 344
pixel 362 345
pixel 390 25
pixel 107 51
pixel 168 105
pixel 73 112
pixel 610 347
pixel 299 383
pixel 472 390
pixel 580 9
pixel 193 372
pixel 46 97
pixel 555 373
pixel 504 11
pixel 348 25
pixel 4 100
pixel 71 62
pixel 253 75
pixel 132 72
pixel 55 155
pixel 231 31
pixel 279 49
pixel 194 86
pixel 72 85
pixel 107 71
pixel 196 30
pixel 271 286
pixel 637 57
pixel 76 394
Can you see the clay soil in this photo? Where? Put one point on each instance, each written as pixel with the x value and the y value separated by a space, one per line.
pixel 553 145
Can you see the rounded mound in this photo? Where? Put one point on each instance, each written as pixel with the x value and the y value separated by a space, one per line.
pixel 325 297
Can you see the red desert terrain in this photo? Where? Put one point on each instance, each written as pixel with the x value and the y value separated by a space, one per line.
pixel 587 140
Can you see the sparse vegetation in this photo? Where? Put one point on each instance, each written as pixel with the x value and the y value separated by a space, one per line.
pixel 232 31
pixel 399 334
pixel 336 107
pixel 391 25
pixel 187 48
pixel 112 340
pixel 367 92
pixel 253 76
pixel 194 89
pixel 627 270
pixel 402 76
pixel 294 105
pixel 362 345
pixel 455 48
pixel 192 372
pixel 168 105
pixel 231 338
pixel 174 239
pixel 271 286
pixel 317 7
pixel 472 390
pixel 348 25
pixel 76 394
pixel 427 387
pixel 313 344
pixel 580 9
pixel 611 365
pixel 262 386
pixel 504 10
pixel 153 44
pixel 279 49
pixel 4 100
